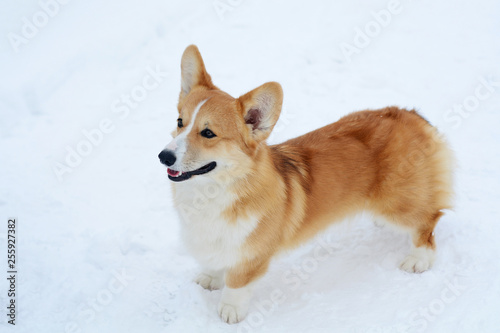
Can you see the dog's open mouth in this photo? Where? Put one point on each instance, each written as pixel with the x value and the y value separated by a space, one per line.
pixel 179 176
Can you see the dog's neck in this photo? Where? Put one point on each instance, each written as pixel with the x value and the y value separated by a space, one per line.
pixel 260 185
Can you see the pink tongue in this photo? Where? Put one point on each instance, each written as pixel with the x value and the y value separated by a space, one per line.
pixel 172 173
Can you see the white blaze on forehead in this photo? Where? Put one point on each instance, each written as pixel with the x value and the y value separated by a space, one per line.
pixel 179 145
pixel 193 119
pixel 179 140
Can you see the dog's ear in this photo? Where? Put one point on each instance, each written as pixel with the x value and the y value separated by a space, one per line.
pixel 193 72
pixel 261 109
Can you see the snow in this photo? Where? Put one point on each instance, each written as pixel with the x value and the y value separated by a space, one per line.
pixel 99 248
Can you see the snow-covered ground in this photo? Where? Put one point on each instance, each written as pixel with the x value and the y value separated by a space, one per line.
pixel 98 246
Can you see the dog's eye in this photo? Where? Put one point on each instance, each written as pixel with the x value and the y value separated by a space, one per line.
pixel 207 133
pixel 179 123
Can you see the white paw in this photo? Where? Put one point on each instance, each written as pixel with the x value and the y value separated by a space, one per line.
pixel 418 261
pixel 209 282
pixel 233 306
pixel 231 314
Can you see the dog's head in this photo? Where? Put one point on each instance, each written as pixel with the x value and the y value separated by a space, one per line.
pixel 217 133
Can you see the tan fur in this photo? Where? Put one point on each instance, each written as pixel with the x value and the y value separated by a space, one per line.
pixel 391 162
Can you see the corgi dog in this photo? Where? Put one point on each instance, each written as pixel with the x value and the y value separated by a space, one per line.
pixel 241 202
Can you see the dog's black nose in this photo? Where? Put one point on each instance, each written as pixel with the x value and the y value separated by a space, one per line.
pixel 167 157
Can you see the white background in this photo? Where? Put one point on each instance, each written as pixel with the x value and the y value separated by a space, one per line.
pixel 113 214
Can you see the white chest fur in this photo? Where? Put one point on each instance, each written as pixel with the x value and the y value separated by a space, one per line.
pixel 215 242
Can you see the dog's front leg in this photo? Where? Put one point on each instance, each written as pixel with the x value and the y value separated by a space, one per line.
pixel 238 291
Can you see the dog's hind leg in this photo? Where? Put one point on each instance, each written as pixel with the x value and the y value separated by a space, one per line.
pixel 423 251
